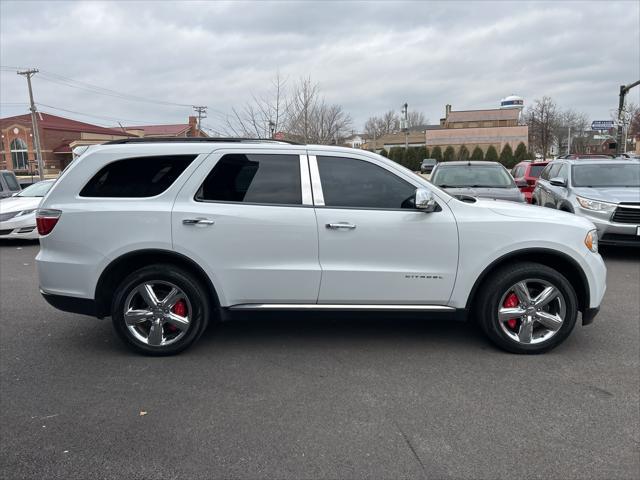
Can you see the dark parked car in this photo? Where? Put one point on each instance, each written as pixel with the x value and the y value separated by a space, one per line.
pixel 427 165
pixel 526 175
pixel 8 184
pixel 476 179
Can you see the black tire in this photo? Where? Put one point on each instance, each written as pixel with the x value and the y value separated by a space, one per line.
pixel 195 293
pixel 498 284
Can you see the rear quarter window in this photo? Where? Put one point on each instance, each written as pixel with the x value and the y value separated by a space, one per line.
pixel 137 177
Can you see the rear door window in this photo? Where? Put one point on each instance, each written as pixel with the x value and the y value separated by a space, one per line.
pixel 254 179
pixel 137 177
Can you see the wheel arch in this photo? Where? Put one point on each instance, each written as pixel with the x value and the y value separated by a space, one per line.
pixel 566 207
pixel 559 261
pixel 122 266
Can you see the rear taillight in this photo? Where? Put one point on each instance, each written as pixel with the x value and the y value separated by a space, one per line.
pixel 46 219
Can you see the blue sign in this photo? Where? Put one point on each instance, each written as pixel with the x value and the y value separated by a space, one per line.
pixel 601 124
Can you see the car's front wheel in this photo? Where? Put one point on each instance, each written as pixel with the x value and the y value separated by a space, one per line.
pixel 527 308
pixel 160 310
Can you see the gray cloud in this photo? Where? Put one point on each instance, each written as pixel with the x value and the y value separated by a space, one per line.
pixel 368 56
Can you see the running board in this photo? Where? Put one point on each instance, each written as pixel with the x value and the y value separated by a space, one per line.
pixel 338 306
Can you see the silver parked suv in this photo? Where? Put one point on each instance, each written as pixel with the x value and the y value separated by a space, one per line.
pixel 607 192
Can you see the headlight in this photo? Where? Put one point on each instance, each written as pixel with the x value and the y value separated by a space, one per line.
pixel 595 205
pixel 591 241
pixel 25 212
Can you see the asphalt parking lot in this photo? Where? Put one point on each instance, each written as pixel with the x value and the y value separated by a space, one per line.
pixel 316 398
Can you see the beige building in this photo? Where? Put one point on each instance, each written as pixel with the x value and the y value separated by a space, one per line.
pixel 482 128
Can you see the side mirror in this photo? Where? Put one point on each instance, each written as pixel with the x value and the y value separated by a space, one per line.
pixel 558 182
pixel 521 183
pixel 425 201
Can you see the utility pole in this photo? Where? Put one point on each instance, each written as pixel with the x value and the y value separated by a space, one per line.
pixel 624 89
pixel 202 113
pixel 272 128
pixel 34 121
pixel 569 141
pixel 405 125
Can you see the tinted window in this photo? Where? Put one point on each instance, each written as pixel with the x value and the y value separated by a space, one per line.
pixel 12 183
pixel 518 171
pixel 137 177
pixel 271 179
pixel 347 182
pixel 535 170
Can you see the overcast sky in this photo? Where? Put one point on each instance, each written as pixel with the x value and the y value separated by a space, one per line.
pixel 367 56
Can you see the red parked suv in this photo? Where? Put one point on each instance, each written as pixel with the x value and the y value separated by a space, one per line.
pixel 527 172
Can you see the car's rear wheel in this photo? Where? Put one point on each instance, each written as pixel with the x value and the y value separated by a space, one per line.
pixel 527 308
pixel 160 310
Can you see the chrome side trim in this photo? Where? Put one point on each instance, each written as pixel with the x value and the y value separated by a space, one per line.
pixel 318 197
pixel 305 181
pixel 337 306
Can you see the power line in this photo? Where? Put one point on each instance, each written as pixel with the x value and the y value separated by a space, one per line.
pixel 115 119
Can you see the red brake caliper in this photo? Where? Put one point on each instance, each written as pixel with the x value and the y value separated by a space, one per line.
pixel 511 302
pixel 180 308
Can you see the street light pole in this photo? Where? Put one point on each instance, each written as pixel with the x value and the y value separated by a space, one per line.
pixel 34 121
pixel 405 111
pixel 624 89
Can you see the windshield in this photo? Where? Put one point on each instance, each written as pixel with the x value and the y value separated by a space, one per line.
pixel 606 175
pixel 429 161
pixel 39 189
pixel 486 176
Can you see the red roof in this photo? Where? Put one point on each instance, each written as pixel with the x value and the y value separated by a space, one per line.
pixel 53 122
pixel 161 130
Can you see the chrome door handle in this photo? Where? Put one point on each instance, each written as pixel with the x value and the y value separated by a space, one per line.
pixel 345 225
pixel 197 221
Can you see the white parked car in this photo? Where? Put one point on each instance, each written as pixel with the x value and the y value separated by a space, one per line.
pixel 164 236
pixel 18 213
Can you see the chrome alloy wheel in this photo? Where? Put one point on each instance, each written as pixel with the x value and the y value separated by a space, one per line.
pixel 157 313
pixel 531 311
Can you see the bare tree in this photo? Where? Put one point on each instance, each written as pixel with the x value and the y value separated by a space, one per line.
pixel 415 119
pixel 311 119
pixel 262 116
pixel 389 122
pixel 542 119
pixel 575 124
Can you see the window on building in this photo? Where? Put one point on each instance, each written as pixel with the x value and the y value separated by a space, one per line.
pixel 137 177
pixel 487 124
pixel 263 179
pixel 19 154
pixel 352 183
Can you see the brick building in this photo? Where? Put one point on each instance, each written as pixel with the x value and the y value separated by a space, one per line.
pixel 58 136
pixel 481 128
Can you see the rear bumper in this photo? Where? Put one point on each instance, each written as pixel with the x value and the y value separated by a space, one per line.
pixel 82 306
pixel 589 315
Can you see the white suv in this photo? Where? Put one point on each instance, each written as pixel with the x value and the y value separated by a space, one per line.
pixel 164 236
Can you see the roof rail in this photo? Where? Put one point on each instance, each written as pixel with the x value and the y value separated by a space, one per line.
pixel 195 140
